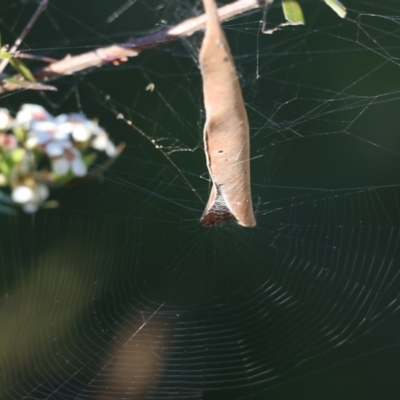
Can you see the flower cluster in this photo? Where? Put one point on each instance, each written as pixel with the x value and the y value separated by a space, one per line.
pixel 38 150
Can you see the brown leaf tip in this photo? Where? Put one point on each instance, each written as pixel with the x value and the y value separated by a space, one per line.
pixel 216 216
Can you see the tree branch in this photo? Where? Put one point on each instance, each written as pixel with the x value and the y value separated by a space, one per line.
pixel 42 6
pixel 133 47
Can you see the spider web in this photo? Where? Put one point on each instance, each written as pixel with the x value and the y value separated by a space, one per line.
pixel 120 293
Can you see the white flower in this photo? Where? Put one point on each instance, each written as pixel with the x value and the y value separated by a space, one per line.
pixel 5 119
pixel 82 132
pixel 83 128
pixel 70 161
pixel 56 148
pixel 103 143
pixel 44 133
pixel 30 197
pixel 22 194
pixel 43 126
pixel 31 112
pixel 51 128
pixel 80 128
pixel 77 118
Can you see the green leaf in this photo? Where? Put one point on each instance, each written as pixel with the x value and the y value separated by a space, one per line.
pixel 337 6
pixel 22 69
pixel 293 12
pixel 89 159
pixel 17 155
pixel 19 133
pixel 64 179
pixel 5 55
pixel 1 41
pixel 4 167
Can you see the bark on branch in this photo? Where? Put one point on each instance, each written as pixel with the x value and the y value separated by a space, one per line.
pixel 72 64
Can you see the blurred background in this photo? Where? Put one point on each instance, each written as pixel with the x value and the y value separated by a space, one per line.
pixel 120 293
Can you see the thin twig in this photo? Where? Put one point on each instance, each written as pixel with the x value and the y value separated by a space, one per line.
pixel 29 56
pixel 42 6
pixel 133 47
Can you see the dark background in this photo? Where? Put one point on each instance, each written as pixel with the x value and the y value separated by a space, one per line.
pixel 76 277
